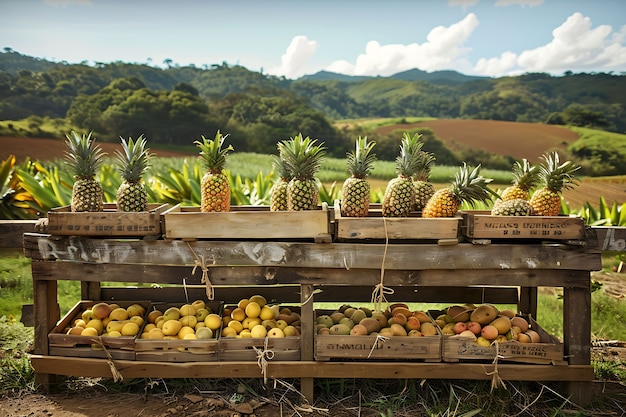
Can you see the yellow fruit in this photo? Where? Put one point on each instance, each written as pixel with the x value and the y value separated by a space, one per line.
pixel 155 334
pixel 184 331
pixel 190 321
pixel 101 310
pixel 502 323
pixel 115 326
pixel 259 299
pixel 229 332
pixel 238 314
pixel 204 333
pixel 213 321
pixel 187 310
pixel 190 336
pixel 96 324
pixel 114 334
pixel 76 331
pixel 106 321
pixel 481 341
pixel 243 303
pixel 172 313
pixel 90 331
pixel 149 327
pixel 87 315
pixel 291 331
pixel 266 313
pixel 253 309
pixel 258 331
pixel 171 327
pixel 234 324
pixel 275 332
pixel 130 329
pixel 138 320
pixel 119 314
pixel 198 304
pixel 136 310
pixel 153 315
pixel 80 323
pixel 201 314
pixel 250 322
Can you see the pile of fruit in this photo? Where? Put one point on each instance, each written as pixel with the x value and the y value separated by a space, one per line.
pixel 190 321
pixel 485 324
pixel 110 320
pixel 395 320
pixel 254 318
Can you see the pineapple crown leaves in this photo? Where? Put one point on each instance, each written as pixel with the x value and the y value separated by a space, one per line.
pixel 281 167
pixel 471 187
pixel 302 155
pixel 525 175
pixel 84 157
pixel 212 153
pixel 360 161
pixel 134 160
pixel 407 162
pixel 425 160
pixel 557 176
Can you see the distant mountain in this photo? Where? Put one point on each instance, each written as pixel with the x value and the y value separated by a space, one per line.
pixel 446 77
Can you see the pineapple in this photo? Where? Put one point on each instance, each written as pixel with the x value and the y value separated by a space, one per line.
pixel 355 191
pixel 424 189
pixel 556 177
pixel 514 207
pixel 468 186
pixel 303 157
pixel 132 194
pixel 278 197
pixel 525 177
pixel 215 188
pixel 84 159
pixel 399 197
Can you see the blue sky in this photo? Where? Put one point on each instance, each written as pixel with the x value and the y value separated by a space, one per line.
pixel 292 38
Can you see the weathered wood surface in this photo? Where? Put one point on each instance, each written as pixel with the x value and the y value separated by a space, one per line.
pixel 611 238
pixel 306 369
pixel 311 255
pixel 11 232
pixel 96 272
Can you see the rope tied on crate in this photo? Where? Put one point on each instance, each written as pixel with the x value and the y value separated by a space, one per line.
pixel 263 357
pixel 379 339
pixel 378 295
pixel 201 262
pixel 117 376
pixel 496 381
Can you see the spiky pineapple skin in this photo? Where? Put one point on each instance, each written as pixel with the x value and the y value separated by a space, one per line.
pixel 215 192
pixel 545 202
pixel 302 194
pixel 355 197
pixel 399 198
pixel 514 192
pixel 278 197
pixel 132 196
pixel 442 204
pixel 514 207
pixel 423 191
pixel 87 195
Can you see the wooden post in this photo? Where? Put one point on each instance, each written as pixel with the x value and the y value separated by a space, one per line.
pixel 307 334
pixel 46 315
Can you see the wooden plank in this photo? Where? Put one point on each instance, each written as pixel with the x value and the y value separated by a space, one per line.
pixel 11 232
pixel 229 276
pixel 577 336
pixel 109 222
pixel 248 222
pixel 311 255
pixel 298 369
pixel 482 225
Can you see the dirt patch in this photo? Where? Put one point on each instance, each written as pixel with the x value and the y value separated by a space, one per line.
pixel 51 149
pixel 519 140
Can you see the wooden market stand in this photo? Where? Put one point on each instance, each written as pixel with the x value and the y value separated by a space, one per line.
pixel 307 272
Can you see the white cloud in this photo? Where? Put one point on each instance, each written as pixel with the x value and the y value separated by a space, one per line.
pixel 463 3
pixel 575 46
pixel 294 60
pixel 443 49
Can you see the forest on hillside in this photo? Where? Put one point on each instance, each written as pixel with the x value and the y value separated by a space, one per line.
pixel 175 105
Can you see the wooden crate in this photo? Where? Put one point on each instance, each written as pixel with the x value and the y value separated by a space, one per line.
pixel 247 222
pixel 201 350
pixel 548 352
pixel 377 227
pixel 371 347
pixel 110 222
pixel 482 225
pixel 62 344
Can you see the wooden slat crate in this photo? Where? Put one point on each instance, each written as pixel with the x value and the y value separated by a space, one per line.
pixel 482 225
pixel 548 352
pixel 247 222
pixel 161 350
pixel 372 347
pixel 62 344
pixel 377 227
pixel 110 222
